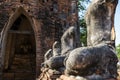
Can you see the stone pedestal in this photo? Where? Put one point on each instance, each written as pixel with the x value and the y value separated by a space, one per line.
pixel 48 74
pixel 64 77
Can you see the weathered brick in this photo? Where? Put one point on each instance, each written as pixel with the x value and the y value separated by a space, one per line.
pixel 50 18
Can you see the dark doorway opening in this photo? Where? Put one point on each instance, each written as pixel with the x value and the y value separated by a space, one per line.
pixel 20 51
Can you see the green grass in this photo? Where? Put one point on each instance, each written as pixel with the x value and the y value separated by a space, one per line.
pixel 118 51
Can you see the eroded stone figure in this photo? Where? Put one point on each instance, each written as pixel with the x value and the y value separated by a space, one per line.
pixel 54 62
pixel 53 58
pixel 55 51
pixel 48 55
pixel 68 40
pixel 56 48
pixel 97 61
pixel 100 21
pixel 100 59
pixel 59 51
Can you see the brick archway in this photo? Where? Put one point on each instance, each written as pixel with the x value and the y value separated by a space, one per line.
pixel 18 36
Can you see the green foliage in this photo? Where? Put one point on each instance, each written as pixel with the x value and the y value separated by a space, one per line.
pixel 81 4
pixel 83 30
pixel 118 51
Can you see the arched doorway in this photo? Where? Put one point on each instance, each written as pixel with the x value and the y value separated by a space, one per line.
pixel 19 48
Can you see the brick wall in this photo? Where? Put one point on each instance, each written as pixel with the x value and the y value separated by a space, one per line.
pixel 50 19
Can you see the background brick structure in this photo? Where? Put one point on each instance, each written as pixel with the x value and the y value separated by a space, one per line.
pixel 50 18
